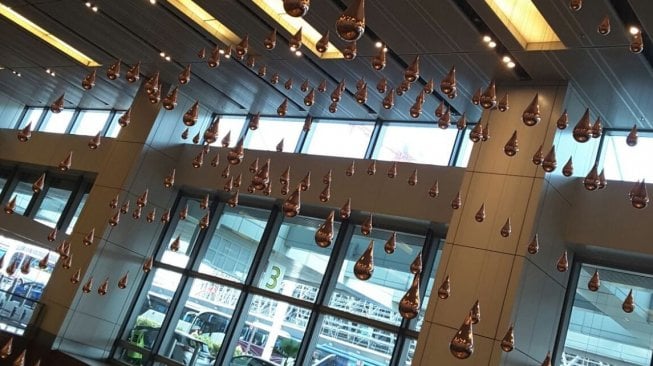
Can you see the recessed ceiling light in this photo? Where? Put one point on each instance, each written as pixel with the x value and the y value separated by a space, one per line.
pixel 634 30
pixel 492 44
pixel 293 48
pixel 168 58
pixel 46 36
pixel 511 65
pixel 153 2
pixel 162 54
pixel 506 59
pixel 88 4
pixel 378 44
pixel 298 53
pixel 487 39
pixel 95 9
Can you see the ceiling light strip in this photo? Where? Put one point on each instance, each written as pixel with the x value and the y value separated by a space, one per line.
pixel 46 36
pixel 205 20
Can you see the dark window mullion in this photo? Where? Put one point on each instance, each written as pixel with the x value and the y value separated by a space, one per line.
pixel 74 119
pixel 374 139
pixel 107 123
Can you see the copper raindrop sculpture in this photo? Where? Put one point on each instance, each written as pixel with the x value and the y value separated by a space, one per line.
pixel 568 169
pixel 242 47
pixel 350 51
pixel 448 84
pixel 76 277
pixel 345 210
pixel 350 26
pixel 445 289
pixel 364 266
pixel 639 195
pixel 125 119
pixel 480 214
pixel 583 129
pixel 428 88
pixel 563 262
pixel 88 286
pixel 169 102
pixel 602 181
pixel 296 8
pixel 392 171
pixel 563 120
pixel 475 312
pixel 575 5
pixel 531 115
pixel 476 133
pixel 10 207
pixel 325 195
pixel 361 94
pixel 457 202
pixel 190 117
pixel 379 61
pixel 89 80
pixel 151 216
pixel 389 99
pixel 205 221
pixel 503 103
pixel 237 153
pixel 95 141
pixel 271 40
pixel 604 27
pixel 229 184
pixel 66 163
pixel 7 348
pixel 445 120
pixel 371 169
pixel 410 303
pixel 122 282
pixel 594 282
pixel 175 244
pixel 366 226
pixel 283 108
pixel 279 147
pixel 292 204
pixel 391 243
pixel 324 234
pixel 461 124
pixel 592 180
pixel 631 139
pixel 351 169
pixel 58 105
pixel 309 99
pixel 165 217
pixel 508 341
pixel 412 179
pixel 113 72
pixel 148 264
pixel 412 71
pixel 547 360
pixel 322 45
pixel 506 230
pixel 434 191
pixel 295 42
pixel 534 245
pixel 462 344
pixel 226 140
pixel 382 86
pixel 512 146
pixel 538 157
pixel 322 87
pixel 26 133
pixel 488 98
pixel 52 236
pixel 549 163
pixel 288 84
pixel 89 238
pixel 597 128
pixel 486 132
pixel 104 287
pixel 416 264
pixel 169 180
pixel 476 97
pixel 636 43
pixel 628 305
pixel 38 185
pixel 134 73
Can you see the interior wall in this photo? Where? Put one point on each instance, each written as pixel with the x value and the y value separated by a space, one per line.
pixel 10 110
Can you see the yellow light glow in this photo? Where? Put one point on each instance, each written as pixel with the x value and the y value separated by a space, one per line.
pixel 310 36
pixel 46 36
pixel 526 24
pixel 205 20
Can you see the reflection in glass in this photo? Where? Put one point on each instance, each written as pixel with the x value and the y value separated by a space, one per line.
pixel 200 329
pixel 414 143
pixel 272 331
pixel 187 231
pixel 626 163
pixel 57 123
pixel 339 139
pixel 114 126
pixel 52 206
pixel 78 211
pixel 90 122
pixel 271 130
pixel 233 244
pixel 227 124
pixel 296 265
pixel 599 331
pixel 465 152
pixel 23 193
pixel 378 297
pixel 343 342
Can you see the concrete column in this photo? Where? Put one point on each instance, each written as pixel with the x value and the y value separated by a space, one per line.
pixel 513 286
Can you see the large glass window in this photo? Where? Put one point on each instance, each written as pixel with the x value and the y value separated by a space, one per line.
pixel 184 235
pixel 57 122
pixel 52 206
pixel 90 122
pixel 414 143
pixel 32 115
pixel 78 211
pixel 339 138
pixel 465 150
pixel 23 193
pixel 270 132
pixel 603 329
pixel 114 126
pixel 627 163
pixel 230 124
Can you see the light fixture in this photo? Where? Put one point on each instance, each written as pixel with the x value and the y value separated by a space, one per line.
pixel 153 2
pixel 310 36
pixel 46 36
pixel 167 58
pixel 378 44
pixel 506 59
pixel 511 65
pixel 526 24
pixel 633 30
pixel 298 53
pixel 487 39
pixel 207 21
pixel 162 54
pixel 492 44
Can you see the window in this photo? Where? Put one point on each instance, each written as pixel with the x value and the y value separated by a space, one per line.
pixel 114 126
pixel 23 193
pixel 229 124
pixel 259 286
pixel 465 151
pixel 627 163
pixel 414 143
pixel 90 122
pixel 270 132
pixel 600 331
pixel 57 122
pixel 52 206
pixel 78 211
pixel 31 115
pixel 344 139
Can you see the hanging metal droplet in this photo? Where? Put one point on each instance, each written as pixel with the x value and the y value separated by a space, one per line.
pixel 602 181
pixel 486 132
pixel 410 303
pixel 345 210
pixel 428 88
pixel 476 134
pixel 597 128
pixel 170 101
pixel 549 163
pixel 89 238
pixel 445 120
pixel 322 87
pixel 538 157
pixel 382 86
pixel 366 226
pixel 547 360
pixel 461 124
pixel 434 191
pixel 292 204
pixel 563 262
pixel 43 263
pixel 531 115
pixel 457 202
pixel 583 129
pixel 122 282
pixel 631 139
pixel 233 200
pixel 412 180
pixel 262 177
pixel 508 341
pixel 169 180
pixel 89 80
pixel 326 179
pixel 176 244
pixel 445 289
pixel 512 146
pixel 148 264
pixel 639 195
pixel 575 5
pixel 38 185
pixel 115 219
pixel 364 266
pixel 371 169
pixel 26 133
pixel 604 27
pixel 488 98
pixel 66 163
pixel 271 40
pixel 594 282
pixel 204 221
pixel 392 171
pixel 165 218
pixel 351 169
pixel 324 234
pixel 412 71
pixel 305 183
pixel 416 265
pixel 503 103
pixel 563 120
pixel 448 84
pixel 113 72
pixel 350 51
pixel 283 108
pixel 480 214
pixel 629 303
pixel 309 99
pixel 151 216
pixel 104 287
pixel 191 115
pixel 462 344
pixel 475 312
pixel 636 43
pixel 10 207
pixel 288 84
pixel 361 94
pixel 568 169
pixel 52 236
pixel 476 97
pixel 391 243
pixel 95 142
pixel 506 230
pixel 20 360
pixel 322 45
pixel 27 264
pixel 350 25
pixel 76 277
pixel 379 61
pixel 534 245
pixel 7 348
pixel 325 195
pixel 389 99
pixel 88 286
pixel 592 180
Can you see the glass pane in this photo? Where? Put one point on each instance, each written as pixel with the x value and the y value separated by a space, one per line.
pixel 426 144
pixel 32 115
pixel 153 310
pixel 296 265
pixel 271 130
pixel 233 244
pixel 234 124
pixel 600 332
pixel 23 193
pixel 90 122
pixel 114 127
pixel 378 297
pixel 270 332
pixel 627 163
pixel 339 139
pixel 408 352
pixel 52 206
pixel 466 146
pixel 78 211
pixel 343 342
pixel 57 122
pixel 187 230
pixel 200 329
pixel 417 324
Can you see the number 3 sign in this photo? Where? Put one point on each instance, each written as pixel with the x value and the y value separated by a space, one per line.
pixel 273 276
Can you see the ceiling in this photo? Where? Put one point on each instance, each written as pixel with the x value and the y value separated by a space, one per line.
pixel 615 83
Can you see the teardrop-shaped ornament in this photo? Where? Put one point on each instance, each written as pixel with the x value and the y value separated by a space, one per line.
pixel 7 348
pixel 488 98
pixel 88 286
pixel 389 99
pixel 604 26
pixel 325 195
pixel 639 195
pixel 416 264
pixel 391 243
pixel 512 146
pixel 631 139
pixel 475 312
pixel 568 169
pixel 366 226
pixel 292 204
pixel 350 25
pixel 270 42
pixel 410 303
pixel 594 282
pixel 457 202
pixel 476 134
pixel 104 287
pixel 592 181
pixel 382 86
pixel 448 84
pixel 392 171
pixel 345 210
pixel 434 191
pixel 324 234
pixel 364 266
pixel 412 179
pixel 445 289
pixel 122 282
pixel 480 214
pixel 531 115
pixel 563 262
pixel 26 133
pixel 628 305
pixel 169 180
pixel 148 264
pixel 563 120
pixel 583 129
pixel 462 344
pixel 508 341
pixel 76 277
pixel 351 169
pixel 66 163
pixel 534 245
pixel 550 163
pixel 322 45
pixel 506 230
pixel 503 105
